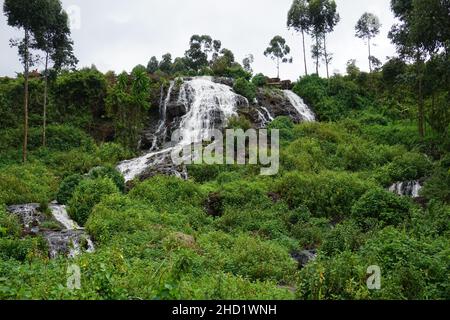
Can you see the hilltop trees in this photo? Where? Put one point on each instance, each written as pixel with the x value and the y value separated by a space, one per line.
pixel 367 27
pixel 298 19
pixel 323 17
pixel 152 65
pixel 278 51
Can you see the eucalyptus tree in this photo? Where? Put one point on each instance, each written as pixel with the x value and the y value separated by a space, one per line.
pixel 30 16
pixel 247 63
pixel 152 65
pixel 368 27
pixel 279 52
pixel 323 18
pixel 298 19
pixel 54 40
pixel 200 48
pixel 421 34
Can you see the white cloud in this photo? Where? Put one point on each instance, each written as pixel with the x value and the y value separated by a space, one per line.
pixel 119 35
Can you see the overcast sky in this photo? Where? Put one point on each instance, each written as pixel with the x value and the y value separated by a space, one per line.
pixel 117 35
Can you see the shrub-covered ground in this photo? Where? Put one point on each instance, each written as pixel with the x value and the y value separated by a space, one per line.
pixel 228 233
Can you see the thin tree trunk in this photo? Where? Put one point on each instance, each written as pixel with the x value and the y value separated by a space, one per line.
pixel 326 55
pixel 44 136
pixel 304 52
pixel 421 116
pixel 25 107
pixel 278 68
pixel 370 55
pixel 317 56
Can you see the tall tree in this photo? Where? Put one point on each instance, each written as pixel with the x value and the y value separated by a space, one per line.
pixel 323 18
pixel 54 40
pixel 298 19
pixel 152 65
pixel 199 49
pixel 247 63
pixel 30 16
pixel 368 27
pixel 278 51
pixel 422 33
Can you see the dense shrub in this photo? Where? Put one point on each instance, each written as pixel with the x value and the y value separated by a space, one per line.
pixel 67 187
pixel 410 166
pixel 285 125
pixel 346 236
pixel 27 183
pixel 245 88
pixel 108 172
pixel 247 256
pixel 259 80
pixel 112 153
pixel 22 249
pixel 379 206
pixel 438 186
pixel 167 192
pixel 86 195
pixel 9 224
pixel 327 194
pixel 59 138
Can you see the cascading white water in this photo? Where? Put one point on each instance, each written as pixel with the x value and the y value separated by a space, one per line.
pixel 72 237
pixel 299 105
pixel 407 188
pixel 208 106
pixel 162 128
pixel 60 214
pixel 212 103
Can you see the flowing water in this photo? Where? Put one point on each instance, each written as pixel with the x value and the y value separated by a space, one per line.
pixel 209 105
pixel 407 188
pixel 300 106
pixel 70 241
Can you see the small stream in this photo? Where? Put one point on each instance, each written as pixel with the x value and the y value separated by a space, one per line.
pixel 71 240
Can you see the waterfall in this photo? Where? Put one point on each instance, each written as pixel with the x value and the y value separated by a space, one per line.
pixel 72 240
pixel 209 105
pixel 162 128
pixel 299 105
pixel 407 188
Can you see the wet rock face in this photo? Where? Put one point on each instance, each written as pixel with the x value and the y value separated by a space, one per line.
pixel 195 106
pixel 69 243
pixel 407 188
pixel 70 240
pixel 29 215
pixel 304 257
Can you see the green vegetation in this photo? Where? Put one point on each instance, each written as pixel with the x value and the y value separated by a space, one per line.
pixel 227 232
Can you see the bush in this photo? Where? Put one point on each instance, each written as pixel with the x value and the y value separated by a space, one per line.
pixel 412 268
pixel 67 187
pixel 346 236
pixel 9 224
pixel 327 194
pixel 165 192
pixel 247 256
pixel 245 88
pixel 26 183
pixel 86 195
pixel 410 166
pixel 22 249
pixel 285 125
pixel 59 138
pixel 113 153
pixel 259 80
pixel 108 172
pixel 379 206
